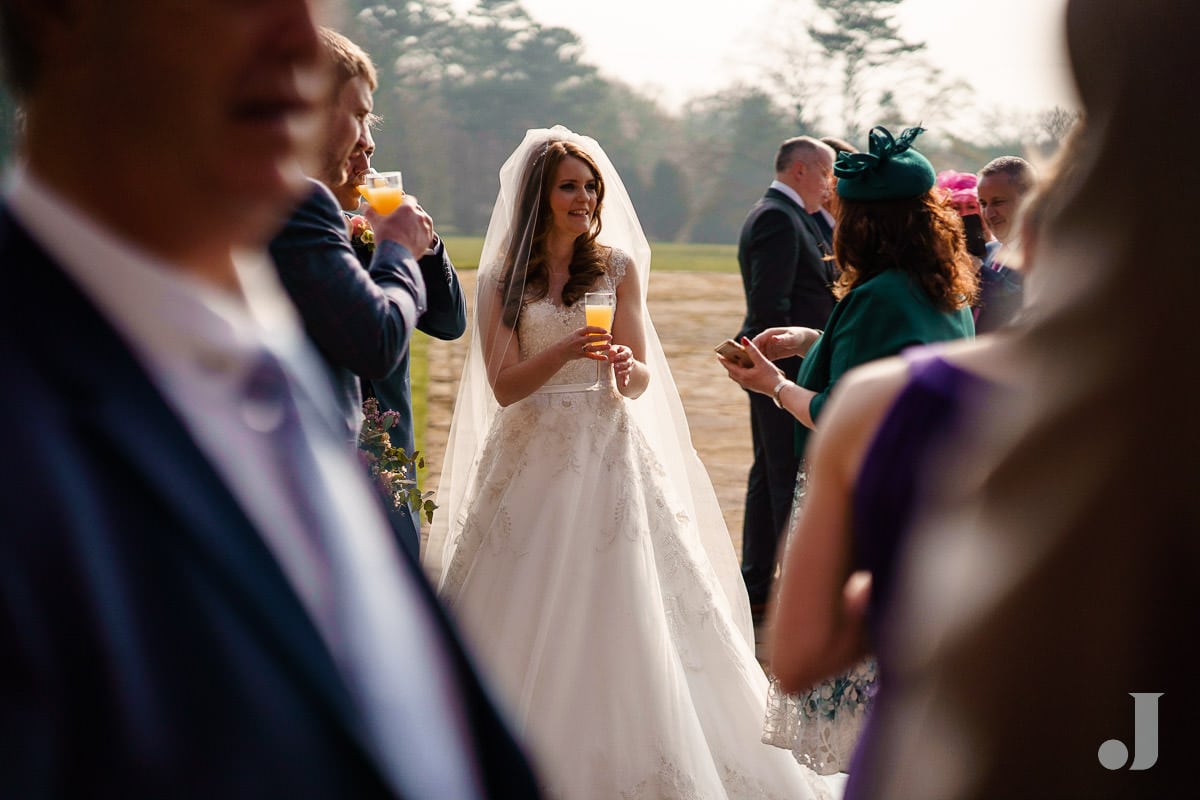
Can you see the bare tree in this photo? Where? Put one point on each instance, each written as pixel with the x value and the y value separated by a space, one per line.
pixel 1056 123
pixel 860 35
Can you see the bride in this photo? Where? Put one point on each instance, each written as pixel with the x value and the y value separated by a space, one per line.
pixel 586 558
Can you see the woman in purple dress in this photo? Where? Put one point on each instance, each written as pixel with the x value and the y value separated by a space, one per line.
pixel 877 439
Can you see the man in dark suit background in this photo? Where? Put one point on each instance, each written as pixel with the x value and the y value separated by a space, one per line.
pixel 361 319
pixel 445 315
pixel 1004 183
pixel 361 312
pixel 787 280
pixel 198 594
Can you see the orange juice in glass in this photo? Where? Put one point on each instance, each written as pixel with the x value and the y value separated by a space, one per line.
pixel 383 190
pixel 598 309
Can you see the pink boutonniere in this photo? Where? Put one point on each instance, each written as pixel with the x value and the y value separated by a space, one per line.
pixel 360 231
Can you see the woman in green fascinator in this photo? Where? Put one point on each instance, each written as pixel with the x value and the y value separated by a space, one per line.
pixel 906 280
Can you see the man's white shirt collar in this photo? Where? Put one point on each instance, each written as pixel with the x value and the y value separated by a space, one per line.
pixel 789 191
pixel 168 316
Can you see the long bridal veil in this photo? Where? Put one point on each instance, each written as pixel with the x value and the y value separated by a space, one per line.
pixel 658 412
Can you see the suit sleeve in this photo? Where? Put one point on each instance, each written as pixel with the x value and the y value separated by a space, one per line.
pixel 361 319
pixel 774 247
pixel 446 315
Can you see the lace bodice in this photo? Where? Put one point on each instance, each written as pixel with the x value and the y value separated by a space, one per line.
pixel 544 322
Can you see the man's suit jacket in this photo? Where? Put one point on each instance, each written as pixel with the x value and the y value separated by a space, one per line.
pixel 824 228
pixel 445 318
pixel 152 646
pixel 360 319
pixel 784 271
pixel 1001 293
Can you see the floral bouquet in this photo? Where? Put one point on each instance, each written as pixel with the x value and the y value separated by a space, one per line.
pixel 821 726
pixel 845 694
pixel 395 469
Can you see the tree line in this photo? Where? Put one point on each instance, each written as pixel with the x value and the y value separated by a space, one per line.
pixel 459 89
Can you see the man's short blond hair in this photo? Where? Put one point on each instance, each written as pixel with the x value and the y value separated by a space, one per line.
pixel 348 60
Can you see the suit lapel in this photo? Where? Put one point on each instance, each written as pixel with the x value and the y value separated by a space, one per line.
pixel 119 405
pixel 808 224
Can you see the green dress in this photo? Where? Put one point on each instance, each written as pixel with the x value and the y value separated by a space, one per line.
pixel 876 319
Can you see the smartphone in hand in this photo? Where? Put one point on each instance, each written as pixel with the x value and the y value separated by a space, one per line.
pixel 735 352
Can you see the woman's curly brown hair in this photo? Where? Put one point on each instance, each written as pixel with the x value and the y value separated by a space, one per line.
pixel 922 237
pixel 526 275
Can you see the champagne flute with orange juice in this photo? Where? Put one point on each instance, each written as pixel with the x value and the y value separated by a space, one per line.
pixel 598 311
pixel 383 190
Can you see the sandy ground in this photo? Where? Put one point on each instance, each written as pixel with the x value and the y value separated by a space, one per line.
pixel 693 312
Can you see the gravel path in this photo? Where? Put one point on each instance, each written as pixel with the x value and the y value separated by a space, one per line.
pixel 693 312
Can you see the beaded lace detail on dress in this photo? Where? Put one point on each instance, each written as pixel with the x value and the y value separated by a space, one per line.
pixel 546 321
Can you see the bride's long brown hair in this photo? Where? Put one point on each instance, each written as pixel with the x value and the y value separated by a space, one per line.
pixel 526 274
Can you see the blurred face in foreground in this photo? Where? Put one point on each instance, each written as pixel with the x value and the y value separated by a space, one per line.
pixel 196 109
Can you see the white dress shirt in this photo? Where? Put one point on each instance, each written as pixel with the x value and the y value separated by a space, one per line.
pixel 780 186
pixel 197 342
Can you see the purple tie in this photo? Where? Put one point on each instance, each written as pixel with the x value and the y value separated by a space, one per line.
pixel 269 409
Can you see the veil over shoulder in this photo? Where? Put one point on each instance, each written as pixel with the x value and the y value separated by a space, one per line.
pixel 658 411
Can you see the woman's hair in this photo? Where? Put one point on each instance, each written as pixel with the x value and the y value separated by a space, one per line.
pixel 525 275
pixel 922 237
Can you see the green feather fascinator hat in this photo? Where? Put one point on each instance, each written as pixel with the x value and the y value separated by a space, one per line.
pixel 891 170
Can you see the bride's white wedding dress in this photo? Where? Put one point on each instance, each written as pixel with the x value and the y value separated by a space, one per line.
pixel 582 585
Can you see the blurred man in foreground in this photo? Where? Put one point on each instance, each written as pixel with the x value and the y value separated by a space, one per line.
pixel 199 597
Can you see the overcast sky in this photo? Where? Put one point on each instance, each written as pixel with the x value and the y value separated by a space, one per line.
pixel 673 49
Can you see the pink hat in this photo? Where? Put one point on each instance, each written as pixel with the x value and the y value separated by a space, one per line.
pixel 954 181
pixel 960 188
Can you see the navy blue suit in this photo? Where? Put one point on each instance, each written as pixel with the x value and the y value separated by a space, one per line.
pixel 360 319
pixel 787 282
pixel 360 316
pixel 151 645
pixel 445 318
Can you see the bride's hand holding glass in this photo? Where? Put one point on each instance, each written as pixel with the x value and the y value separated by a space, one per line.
pixel 589 341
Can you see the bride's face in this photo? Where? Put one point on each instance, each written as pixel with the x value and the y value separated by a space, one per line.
pixel 572 197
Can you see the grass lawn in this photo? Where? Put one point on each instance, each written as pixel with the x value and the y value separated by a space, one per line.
pixel 667 256
pixel 465 250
